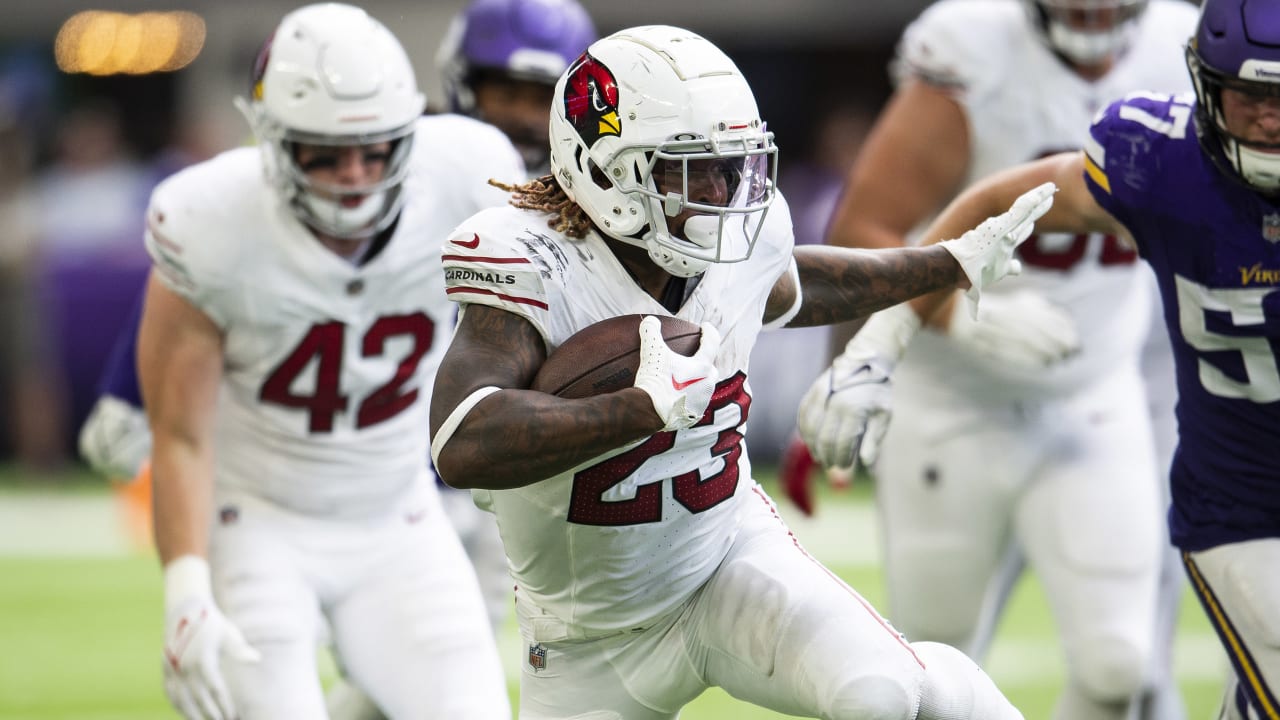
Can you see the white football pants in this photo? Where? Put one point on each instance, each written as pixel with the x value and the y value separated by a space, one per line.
pixel 1239 587
pixel 402 602
pixel 968 494
pixel 772 627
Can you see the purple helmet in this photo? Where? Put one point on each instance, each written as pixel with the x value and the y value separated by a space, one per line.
pixel 1236 47
pixel 524 39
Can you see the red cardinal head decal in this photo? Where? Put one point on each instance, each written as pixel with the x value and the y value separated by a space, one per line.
pixel 259 70
pixel 591 100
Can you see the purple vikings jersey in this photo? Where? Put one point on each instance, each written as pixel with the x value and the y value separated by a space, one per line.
pixel 120 376
pixel 1215 248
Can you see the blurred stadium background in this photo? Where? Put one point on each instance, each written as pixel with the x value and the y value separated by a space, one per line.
pixel 95 108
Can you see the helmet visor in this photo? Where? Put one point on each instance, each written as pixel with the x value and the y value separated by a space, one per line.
pixel 1092 16
pixel 713 177
pixel 717 191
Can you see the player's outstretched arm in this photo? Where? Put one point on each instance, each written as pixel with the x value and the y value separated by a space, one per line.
pixel 489 431
pixel 1073 211
pixel 838 284
pixel 845 412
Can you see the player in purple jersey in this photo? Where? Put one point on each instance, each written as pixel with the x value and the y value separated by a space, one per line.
pixel 500 60
pixel 115 438
pixel 1194 183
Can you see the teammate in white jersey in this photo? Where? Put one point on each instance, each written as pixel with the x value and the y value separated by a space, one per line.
pixel 649 564
pixel 1075 491
pixel 499 62
pixel 292 323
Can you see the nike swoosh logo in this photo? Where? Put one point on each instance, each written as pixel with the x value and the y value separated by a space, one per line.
pixel 682 385
pixel 853 379
pixel 471 244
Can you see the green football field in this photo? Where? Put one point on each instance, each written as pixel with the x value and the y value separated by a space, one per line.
pixel 80 618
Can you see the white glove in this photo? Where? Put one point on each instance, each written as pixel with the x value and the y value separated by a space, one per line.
pixel 680 387
pixel 845 413
pixel 985 253
pixel 196 638
pixel 115 439
pixel 1020 328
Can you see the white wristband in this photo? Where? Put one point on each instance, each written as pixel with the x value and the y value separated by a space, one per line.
pixel 886 334
pixel 451 423
pixel 184 577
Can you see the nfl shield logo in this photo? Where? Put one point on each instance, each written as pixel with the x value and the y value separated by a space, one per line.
pixel 537 657
pixel 1271 227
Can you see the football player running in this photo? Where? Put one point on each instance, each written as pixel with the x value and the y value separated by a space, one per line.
pixel 648 562
pixel 293 319
pixel 1193 181
pixel 1052 371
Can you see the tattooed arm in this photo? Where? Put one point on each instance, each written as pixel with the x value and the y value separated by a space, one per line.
pixel 516 437
pixel 841 284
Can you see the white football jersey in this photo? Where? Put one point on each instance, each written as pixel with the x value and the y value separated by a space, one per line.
pixel 1024 103
pixel 328 365
pixel 627 536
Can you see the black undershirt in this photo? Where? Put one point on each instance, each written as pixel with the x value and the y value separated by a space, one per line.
pixel 379 243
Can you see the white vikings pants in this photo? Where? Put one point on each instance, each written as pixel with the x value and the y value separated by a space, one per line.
pixel 969 494
pixel 402 602
pixel 1239 588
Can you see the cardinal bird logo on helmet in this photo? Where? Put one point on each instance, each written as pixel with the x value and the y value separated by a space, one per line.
pixel 591 100
pixel 259 71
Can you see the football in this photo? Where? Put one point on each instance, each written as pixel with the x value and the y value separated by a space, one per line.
pixel 603 357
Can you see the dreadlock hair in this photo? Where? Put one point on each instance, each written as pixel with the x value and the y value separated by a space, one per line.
pixel 544 194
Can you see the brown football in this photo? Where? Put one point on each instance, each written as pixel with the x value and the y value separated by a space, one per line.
pixel 603 357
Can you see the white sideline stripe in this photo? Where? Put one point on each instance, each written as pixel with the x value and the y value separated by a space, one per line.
pixel 53 524
pixel 1020 661
pixel 56 524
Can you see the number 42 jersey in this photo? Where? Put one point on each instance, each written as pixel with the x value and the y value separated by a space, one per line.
pixel 1215 248
pixel 327 364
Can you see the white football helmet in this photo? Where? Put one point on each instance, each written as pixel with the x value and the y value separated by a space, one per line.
pixel 1087 31
pixel 332 75
pixel 662 94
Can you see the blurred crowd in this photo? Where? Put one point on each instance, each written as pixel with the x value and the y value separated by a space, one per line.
pixel 82 155
pixel 73 188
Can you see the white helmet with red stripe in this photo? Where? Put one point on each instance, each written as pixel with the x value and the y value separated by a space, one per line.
pixel 660 94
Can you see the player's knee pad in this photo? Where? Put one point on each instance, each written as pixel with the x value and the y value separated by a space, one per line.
pixel 955 688
pixel 1108 668
pixel 874 697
